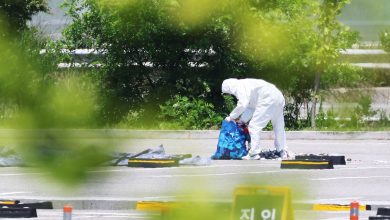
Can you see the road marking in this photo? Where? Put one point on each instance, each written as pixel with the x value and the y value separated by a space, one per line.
pixel 214 174
pixel 337 142
pixel 151 161
pixel 108 214
pixel 159 197
pixel 131 169
pixel 20 174
pixel 111 213
pixel 336 199
pixel 305 162
pixel 336 218
pixel 235 165
pixel 13 193
pixel 350 177
pixel 364 168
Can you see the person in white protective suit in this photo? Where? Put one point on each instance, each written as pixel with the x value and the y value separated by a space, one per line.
pixel 258 103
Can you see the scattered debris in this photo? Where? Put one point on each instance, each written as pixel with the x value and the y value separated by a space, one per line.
pixel 146 158
pixel 196 161
pixel 10 158
pixel 152 158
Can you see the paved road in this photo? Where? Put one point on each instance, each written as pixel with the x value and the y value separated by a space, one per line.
pixel 365 178
pixel 137 215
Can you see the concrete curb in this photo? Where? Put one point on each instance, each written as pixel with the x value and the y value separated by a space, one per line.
pixel 334 135
pixel 188 134
pixel 268 135
pixel 140 205
pixel 88 204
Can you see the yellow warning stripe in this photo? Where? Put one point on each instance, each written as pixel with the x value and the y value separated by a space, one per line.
pixel 159 206
pixel 7 203
pixel 304 162
pixel 335 207
pixel 151 161
pixel 154 206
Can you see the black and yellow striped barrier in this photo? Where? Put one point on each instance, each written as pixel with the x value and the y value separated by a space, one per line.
pixel 381 214
pixel 336 159
pixel 8 202
pixel 18 204
pixel 383 211
pixel 337 207
pixel 18 212
pixel 155 206
pixel 378 217
pixel 306 164
pixel 161 206
pixel 153 163
pixel 172 161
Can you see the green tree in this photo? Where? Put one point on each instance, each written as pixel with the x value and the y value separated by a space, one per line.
pixel 14 14
pixel 329 38
pixel 154 50
pixel 149 55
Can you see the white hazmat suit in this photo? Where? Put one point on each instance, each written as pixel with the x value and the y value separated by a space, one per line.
pixel 258 102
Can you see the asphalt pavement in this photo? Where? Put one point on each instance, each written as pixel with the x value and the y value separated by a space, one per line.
pixel 113 192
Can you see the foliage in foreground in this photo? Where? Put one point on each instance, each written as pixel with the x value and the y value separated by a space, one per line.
pixel 385 40
pixel 39 104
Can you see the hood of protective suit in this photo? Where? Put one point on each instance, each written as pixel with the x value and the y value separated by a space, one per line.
pixel 230 86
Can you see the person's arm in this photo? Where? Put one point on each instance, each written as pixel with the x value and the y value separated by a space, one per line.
pixel 242 104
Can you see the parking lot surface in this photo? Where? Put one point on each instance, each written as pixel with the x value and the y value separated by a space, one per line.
pixel 114 191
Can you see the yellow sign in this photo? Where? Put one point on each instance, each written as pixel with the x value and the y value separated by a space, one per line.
pixel 262 203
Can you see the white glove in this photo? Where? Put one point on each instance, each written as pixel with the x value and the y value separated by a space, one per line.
pixel 228 119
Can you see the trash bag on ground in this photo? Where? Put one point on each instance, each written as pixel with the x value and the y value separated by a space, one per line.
pixel 232 141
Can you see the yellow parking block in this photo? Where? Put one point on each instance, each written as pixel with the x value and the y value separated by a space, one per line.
pixel 335 207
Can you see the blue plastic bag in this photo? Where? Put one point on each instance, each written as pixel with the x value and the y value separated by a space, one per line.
pixel 231 142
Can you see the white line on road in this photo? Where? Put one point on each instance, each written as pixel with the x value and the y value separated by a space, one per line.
pixel 159 197
pixel 231 173
pixel 127 169
pixel 350 177
pixel 337 142
pixel 20 174
pixel 111 214
pixel 214 174
pixel 233 165
pixel 364 168
pixel 334 199
pixel 262 165
pixel 13 193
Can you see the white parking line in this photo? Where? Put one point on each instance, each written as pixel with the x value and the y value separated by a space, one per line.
pixel 13 193
pixel 350 177
pixel 127 169
pixel 158 198
pixel 364 168
pixel 214 174
pixel 334 199
pixel 20 174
